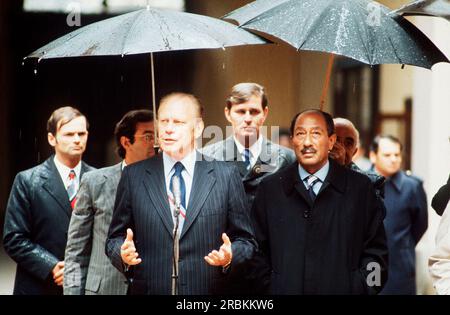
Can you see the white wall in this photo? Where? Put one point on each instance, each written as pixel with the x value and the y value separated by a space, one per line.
pixel 431 132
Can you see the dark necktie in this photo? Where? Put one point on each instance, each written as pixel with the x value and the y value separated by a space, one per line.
pixel 178 169
pixel 247 158
pixel 72 189
pixel 311 180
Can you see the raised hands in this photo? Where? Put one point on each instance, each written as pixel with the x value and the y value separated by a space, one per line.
pixel 223 256
pixel 128 250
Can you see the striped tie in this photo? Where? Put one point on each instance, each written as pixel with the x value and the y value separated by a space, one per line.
pixel 311 180
pixel 246 156
pixel 72 189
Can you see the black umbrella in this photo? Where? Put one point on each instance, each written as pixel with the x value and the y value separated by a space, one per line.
pixel 147 31
pixel 360 29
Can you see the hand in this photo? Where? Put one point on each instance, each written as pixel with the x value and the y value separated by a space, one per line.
pixel 58 273
pixel 338 153
pixel 128 250
pixel 223 256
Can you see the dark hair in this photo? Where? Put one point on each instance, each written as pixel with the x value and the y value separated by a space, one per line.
pixel 376 142
pixel 126 127
pixel 326 116
pixel 192 98
pixel 62 116
pixel 241 93
pixel 284 132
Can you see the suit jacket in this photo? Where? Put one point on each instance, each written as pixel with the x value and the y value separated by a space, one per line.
pixel 272 158
pixel 36 223
pixel 406 221
pixel 87 268
pixel 216 205
pixel 329 246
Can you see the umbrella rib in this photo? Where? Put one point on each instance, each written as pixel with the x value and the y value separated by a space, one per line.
pixel 131 26
pixel 312 28
pixel 369 53
pixel 395 50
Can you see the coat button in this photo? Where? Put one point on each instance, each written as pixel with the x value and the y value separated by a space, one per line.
pixel 306 214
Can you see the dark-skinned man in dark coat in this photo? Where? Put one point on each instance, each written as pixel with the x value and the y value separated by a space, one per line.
pixel 318 224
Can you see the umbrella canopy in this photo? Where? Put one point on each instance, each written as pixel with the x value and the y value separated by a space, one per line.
pixel 146 31
pixel 440 8
pixel 359 29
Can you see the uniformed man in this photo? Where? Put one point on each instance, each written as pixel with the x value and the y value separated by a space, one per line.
pixel 406 214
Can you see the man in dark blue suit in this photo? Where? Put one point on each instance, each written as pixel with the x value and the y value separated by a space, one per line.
pixel 40 205
pixel 181 225
pixel 406 214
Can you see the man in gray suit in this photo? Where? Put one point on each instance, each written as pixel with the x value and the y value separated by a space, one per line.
pixel 88 270
pixel 186 217
pixel 255 156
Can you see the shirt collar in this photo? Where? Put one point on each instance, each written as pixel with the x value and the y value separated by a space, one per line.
pixel 124 164
pixel 320 174
pixel 64 170
pixel 255 148
pixel 188 163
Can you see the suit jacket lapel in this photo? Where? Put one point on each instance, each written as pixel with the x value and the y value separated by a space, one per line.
pixel 292 182
pixel 114 175
pixel 54 185
pixel 268 157
pixel 84 169
pixel 202 185
pixel 231 154
pixel 155 185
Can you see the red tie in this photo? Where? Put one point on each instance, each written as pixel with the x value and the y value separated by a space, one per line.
pixel 71 189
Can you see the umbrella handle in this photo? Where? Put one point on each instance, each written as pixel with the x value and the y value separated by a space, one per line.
pixel 327 81
pixel 152 66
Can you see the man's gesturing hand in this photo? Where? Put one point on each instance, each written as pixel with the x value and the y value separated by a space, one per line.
pixel 128 251
pixel 223 256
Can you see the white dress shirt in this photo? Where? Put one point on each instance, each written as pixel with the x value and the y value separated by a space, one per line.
pixel 255 150
pixel 64 171
pixel 187 173
pixel 320 174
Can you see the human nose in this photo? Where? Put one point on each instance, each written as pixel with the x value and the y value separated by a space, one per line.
pixel 169 128
pixel 247 117
pixel 307 140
